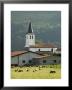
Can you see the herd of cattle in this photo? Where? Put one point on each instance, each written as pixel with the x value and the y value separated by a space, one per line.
pixel 34 70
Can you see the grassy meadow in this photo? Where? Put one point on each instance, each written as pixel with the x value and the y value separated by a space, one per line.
pixel 36 72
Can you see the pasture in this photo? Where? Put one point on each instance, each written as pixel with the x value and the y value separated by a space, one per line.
pixel 36 72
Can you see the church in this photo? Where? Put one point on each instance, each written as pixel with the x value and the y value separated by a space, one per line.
pixel 32 46
pixel 35 53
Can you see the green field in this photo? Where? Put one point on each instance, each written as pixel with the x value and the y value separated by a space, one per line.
pixel 43 73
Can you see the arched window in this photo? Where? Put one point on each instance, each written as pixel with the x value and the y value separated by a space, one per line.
pixel 54 61
pixel 44 61
pixel 23 61
pixel 30 37
pixel 52 49
pixel 30 61
pixel 39 49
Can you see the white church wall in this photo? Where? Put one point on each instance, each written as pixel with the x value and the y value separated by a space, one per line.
pixel 30 40
pixel 42 49
pixel 54 50
pixel 57 52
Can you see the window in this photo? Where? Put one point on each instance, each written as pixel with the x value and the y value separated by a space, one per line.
pixel 54 61
pixel 44 61
pixel 52 49
pixel 30 37
pixel 39 49
pixel 30 61
pixel 23 61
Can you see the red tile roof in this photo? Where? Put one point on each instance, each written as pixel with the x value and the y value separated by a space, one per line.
pixel 43 45
pixel 15 53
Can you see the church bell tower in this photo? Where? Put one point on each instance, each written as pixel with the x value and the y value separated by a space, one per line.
pixel 30 37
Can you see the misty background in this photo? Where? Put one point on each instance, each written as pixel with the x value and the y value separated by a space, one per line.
pixel 46 26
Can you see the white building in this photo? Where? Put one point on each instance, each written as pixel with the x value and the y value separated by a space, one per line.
pixel 34 47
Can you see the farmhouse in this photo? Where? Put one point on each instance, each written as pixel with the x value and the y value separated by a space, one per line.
pixel 21 58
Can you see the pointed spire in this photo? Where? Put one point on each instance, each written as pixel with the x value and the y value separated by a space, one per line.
pixel 30 28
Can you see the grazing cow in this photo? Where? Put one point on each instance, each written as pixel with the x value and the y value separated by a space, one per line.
pixel 39 68
pixel 27 70
pixel 52 71
pixel 36 65
pixel 33 70
pixel 51 66
pixel 20 70
pixel 16 70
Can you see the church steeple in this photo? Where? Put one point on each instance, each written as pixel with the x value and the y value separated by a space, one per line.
pixel 30 28
pixel 30 36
